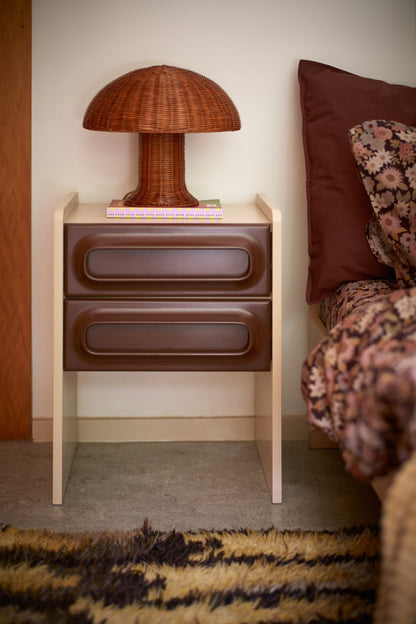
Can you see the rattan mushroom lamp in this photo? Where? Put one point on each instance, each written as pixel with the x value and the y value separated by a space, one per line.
pixel 161 103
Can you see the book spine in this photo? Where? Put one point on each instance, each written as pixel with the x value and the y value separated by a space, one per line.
pixel 134 212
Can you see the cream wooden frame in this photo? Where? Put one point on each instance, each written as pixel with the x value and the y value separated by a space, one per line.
pixel 268 415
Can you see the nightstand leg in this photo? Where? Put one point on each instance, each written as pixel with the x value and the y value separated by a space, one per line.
pixel 65 429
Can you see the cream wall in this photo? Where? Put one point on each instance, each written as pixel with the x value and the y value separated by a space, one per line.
pixel 251 48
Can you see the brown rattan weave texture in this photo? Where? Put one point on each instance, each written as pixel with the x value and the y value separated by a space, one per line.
pixel 162 99
pixel 161 103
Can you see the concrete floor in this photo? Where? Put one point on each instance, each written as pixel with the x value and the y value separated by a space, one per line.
pixel 201 485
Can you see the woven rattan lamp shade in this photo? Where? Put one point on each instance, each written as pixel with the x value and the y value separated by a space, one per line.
pixel 161 103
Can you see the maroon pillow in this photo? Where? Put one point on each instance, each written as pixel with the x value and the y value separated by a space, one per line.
pixel 332 101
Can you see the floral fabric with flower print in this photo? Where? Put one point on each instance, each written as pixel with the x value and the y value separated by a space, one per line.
pixel 385 154
pixel 359 383
pixel 351 296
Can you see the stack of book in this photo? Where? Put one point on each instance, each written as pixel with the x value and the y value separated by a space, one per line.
pixel 210 209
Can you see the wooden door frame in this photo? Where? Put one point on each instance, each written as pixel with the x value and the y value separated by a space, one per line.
pixel 15 220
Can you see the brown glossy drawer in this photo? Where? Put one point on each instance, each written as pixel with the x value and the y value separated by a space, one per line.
pixel 167 335
pixel 167 260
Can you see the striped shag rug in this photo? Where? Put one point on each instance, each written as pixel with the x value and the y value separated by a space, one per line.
pixel 220 577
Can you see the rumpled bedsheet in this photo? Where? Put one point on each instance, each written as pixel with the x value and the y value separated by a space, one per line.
pixel 359 383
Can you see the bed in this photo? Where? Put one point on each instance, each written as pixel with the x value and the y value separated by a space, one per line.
pixel 359 379
pixel 359 382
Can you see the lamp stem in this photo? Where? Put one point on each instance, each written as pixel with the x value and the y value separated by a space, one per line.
pixel 161 172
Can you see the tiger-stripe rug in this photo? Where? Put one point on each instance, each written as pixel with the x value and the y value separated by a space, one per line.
pixel 146 576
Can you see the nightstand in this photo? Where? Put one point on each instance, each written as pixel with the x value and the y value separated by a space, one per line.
pixel 167 295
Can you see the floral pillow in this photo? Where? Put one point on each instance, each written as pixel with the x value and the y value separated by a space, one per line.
pixel 385 153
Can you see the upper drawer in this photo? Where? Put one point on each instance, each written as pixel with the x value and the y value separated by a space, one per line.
pixel 166 260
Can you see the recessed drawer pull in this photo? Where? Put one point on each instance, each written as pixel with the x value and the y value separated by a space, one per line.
pixel 184 264
pixel 142 339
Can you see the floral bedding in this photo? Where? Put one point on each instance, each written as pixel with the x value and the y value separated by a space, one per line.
pixel 351 296
pixel 359 383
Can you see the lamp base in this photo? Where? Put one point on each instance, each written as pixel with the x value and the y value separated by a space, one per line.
pixel 161 172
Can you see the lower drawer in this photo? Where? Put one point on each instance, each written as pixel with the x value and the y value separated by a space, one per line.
pixel 167 335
